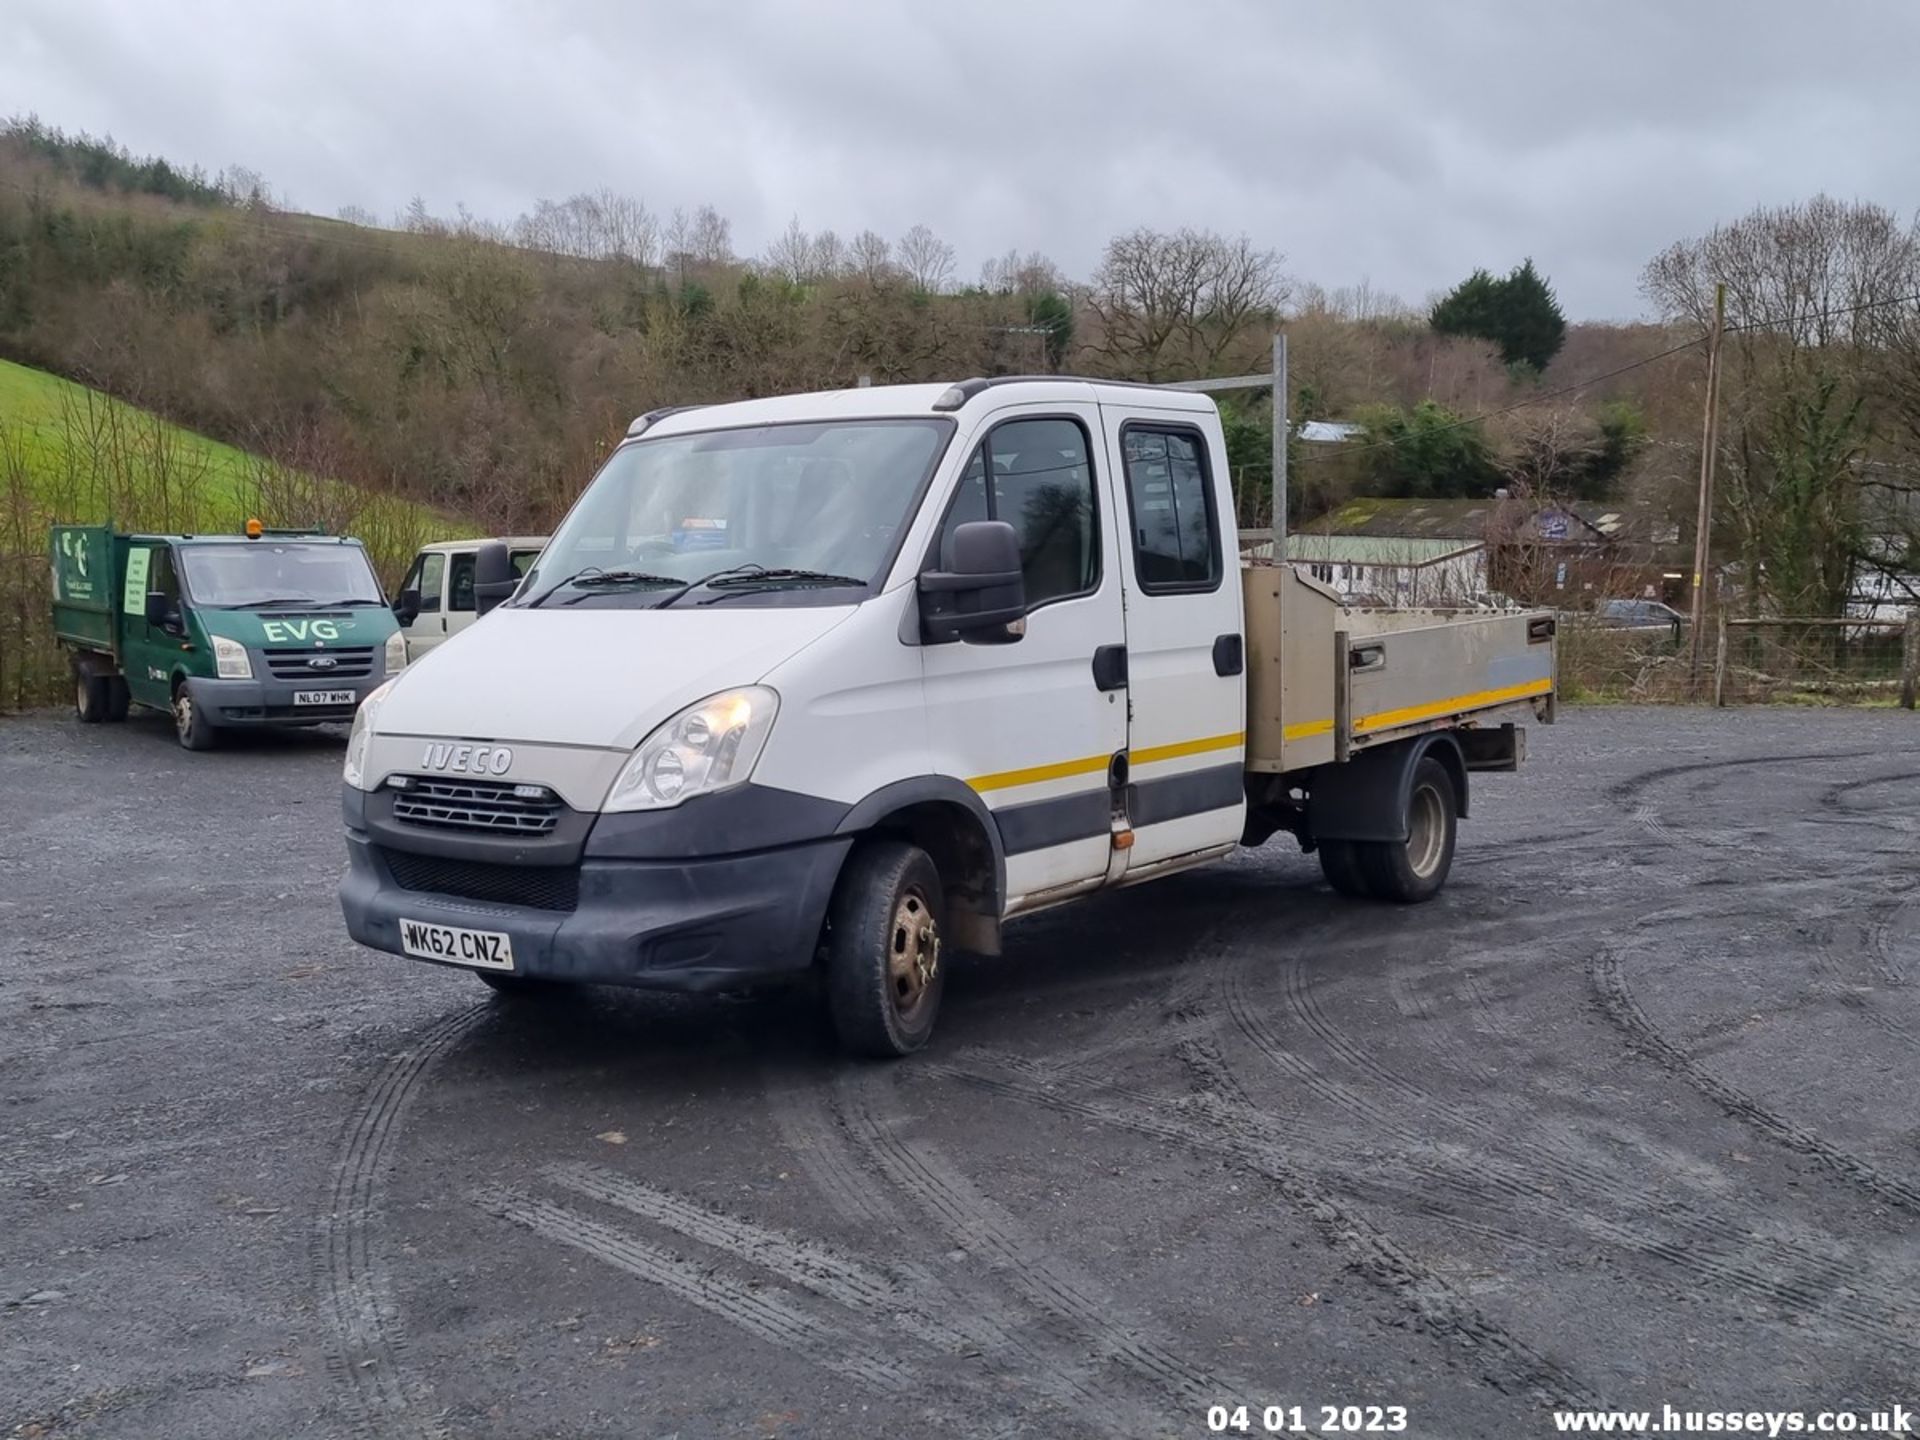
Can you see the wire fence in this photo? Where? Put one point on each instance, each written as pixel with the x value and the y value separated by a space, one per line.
pixel 1818 659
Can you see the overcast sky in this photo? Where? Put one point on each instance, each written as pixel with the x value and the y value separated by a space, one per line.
pixel 1403 143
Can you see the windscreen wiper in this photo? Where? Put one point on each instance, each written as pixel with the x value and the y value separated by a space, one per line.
pixel 773 579
pixel 594 575
pixel 750 567
pixel 346 604
pixel 306 600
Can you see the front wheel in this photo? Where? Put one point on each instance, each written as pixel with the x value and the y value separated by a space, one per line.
pixel 884 969
pixel 1414 869
pixel 190 725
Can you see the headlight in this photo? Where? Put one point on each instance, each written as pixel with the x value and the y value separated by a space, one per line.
pixel 396 653
pixel 361 737
pixel 230 659
pixel 706 747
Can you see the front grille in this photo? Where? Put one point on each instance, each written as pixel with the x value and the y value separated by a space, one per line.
pixel 553 887
pixel 346 662
pixel 474 805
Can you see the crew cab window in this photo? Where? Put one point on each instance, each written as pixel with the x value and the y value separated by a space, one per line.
pixel 425 576
pixel 1176 535
pixel 460 583
pixel 1042 486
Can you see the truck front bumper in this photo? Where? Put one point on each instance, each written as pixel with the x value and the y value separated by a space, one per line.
pixel 692 925
pixel 230 703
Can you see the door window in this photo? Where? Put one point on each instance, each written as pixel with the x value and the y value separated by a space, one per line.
pixel 1042 485
pixel 1176 535
pixel 460 583
pixel 162 579
pixel 425 576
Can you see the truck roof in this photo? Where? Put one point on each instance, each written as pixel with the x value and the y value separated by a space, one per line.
pixel 269 538
pixel 512 542
pixel 890 402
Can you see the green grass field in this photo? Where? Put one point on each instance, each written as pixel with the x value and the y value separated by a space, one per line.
pixel 72 454
pixel 49 415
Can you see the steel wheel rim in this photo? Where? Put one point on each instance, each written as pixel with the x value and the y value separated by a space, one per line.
pixel 183 714
pixel 1426 831
pixel 80 696
pixel 913 953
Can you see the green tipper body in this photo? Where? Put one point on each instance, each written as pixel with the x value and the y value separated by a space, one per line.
pixel 297 650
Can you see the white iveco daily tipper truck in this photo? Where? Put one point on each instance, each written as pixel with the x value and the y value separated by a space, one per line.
pixel 846 681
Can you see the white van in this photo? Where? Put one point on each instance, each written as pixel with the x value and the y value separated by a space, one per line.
pixel 844 681
pixel 435 602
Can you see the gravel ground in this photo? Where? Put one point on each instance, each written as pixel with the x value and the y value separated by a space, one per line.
pixel 1627 1116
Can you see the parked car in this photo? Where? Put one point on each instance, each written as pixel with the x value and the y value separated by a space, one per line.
pixel 436 601
pixel 1638 615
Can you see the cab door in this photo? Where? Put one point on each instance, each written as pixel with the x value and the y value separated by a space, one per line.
pixel 1186 655
pixel 150 652
pixel 428 628
pixel 1032 723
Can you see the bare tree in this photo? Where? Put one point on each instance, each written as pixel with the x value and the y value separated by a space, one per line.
pixel 790 256
pixel 870 256
pixel 1017 274
pixel 1171 302
pixel 710 237
pixel 927 258
pixel 358 215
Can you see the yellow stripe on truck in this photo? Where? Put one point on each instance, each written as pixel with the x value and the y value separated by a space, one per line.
pixel 1034 774
pixel 1479 700
pixel 1088 764
pixel 1186 747
pixel 1307 729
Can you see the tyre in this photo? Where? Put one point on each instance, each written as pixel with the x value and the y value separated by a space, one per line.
pixel 190 725
pixel 884 969
pixel 519 986
pixel 1414 869
pixel 1340 863
pixel 92 697
pixel 119 698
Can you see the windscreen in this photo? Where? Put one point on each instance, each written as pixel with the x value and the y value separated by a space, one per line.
pixel 831 496
pixel 262 572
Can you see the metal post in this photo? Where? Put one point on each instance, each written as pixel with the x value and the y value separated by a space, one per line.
pixel 1280 446
pixel 1720 664
pixel 1910 660
pixel 1709 444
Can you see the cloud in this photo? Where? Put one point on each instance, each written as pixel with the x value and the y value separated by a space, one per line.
pixel 1405 143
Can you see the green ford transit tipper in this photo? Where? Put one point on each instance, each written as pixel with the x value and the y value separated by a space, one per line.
pixel 267 628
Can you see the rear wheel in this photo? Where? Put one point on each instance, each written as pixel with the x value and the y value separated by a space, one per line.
pixel 1340 863
pixel 92 697
pixel 1414 869
pixel 884 969
pixel 190 725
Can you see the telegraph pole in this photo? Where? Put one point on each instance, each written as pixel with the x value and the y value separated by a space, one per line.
pixel 1709 444
pixel 1280 446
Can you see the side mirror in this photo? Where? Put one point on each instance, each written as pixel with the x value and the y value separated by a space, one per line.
pixel 406 609
pixel 159 609
pixel 982 594
pixel 493 577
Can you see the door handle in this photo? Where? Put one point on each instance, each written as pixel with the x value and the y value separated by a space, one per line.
pixel 1229 655
pixel 1110 667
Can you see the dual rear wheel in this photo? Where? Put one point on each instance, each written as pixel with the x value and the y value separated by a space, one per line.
pixel 1406 871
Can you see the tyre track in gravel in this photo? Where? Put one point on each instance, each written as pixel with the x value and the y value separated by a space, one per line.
pixel 1025 1357
pixel 768 1313
pixel 1617 1002
pixel 1047 1281
pixel 1235 1131
pixel 367 1351
pixel 1548 1174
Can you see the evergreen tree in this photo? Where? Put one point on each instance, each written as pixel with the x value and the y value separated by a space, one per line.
pixel 1518 313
